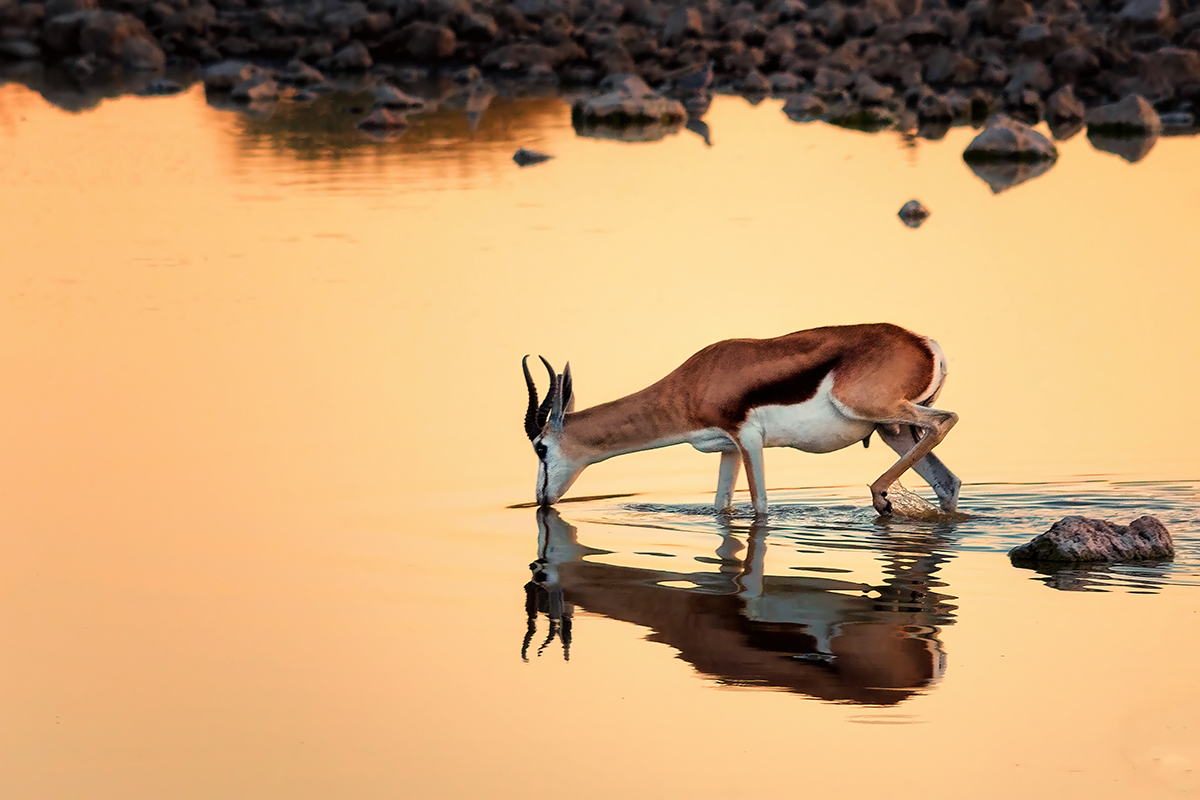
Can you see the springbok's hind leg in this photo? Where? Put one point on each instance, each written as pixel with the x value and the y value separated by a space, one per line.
pixel 731 466
pixel 944 482
pixel 936 424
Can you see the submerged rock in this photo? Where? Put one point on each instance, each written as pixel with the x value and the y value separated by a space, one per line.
pixel 1080 539
pixel 1131 148
pixel 525 158
pixel 383 119
pixel 913 213
pixel 1001 176
pixel 391 97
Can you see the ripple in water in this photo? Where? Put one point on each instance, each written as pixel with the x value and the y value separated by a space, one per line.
pixel 822 522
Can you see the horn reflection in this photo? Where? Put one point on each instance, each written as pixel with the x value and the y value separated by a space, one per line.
pixel 826 638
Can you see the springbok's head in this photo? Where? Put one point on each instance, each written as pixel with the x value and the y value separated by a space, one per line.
pixel 544 424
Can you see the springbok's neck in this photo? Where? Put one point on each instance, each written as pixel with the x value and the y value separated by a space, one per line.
pixel 640 421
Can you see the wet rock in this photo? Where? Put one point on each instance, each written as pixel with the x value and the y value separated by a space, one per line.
pixel 392 98
pixel 913 214
pixel 354 57
pixel 466 76
pixel 525 158
pixel 1131 116
pixel 383 119
pixel 257 89
pixel 701 129
pixel 1076 63
pixel 804 106
pixel 848 114
pixel 226 75
pixel 1064 106
pixel 1080 539
pixel 1006 139
pixel 627 100
pixel 1007 16
pixel 61 33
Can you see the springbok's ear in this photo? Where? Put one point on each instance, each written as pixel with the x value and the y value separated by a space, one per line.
pixel 557 409
pixel 568 390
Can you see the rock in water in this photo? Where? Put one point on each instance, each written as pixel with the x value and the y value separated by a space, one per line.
pixel 627 100
pixel 1005 139
pixel 913 214
pixel 1079 539
pixel 1131 116
pixel 525 158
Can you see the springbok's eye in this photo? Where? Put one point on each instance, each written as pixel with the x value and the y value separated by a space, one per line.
pixel 540 449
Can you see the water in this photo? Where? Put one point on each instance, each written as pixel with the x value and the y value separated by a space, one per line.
pixel 260 435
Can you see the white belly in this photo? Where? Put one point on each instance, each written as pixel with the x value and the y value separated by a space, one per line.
pixel 817 425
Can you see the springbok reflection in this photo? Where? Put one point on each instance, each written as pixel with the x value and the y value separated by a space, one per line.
pixel 827 638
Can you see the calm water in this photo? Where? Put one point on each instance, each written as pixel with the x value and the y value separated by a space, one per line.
pixel 260 436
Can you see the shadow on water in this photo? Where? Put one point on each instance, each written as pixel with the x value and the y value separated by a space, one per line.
pixel 824 637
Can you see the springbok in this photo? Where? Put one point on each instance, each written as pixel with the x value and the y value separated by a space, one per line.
pixel 817 390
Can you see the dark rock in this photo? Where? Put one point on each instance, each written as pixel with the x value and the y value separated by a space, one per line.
pixel 420 41
pixel 784 83
pixel 1064 106
pixel 162 86
pixel 104 32
pixel 19 51
pixel 1007 16
pixel 61 33
pixel 299 73
pixel 142 54
pixel 1177 120
pixel 913 214
pixel 871 92
pixel 477 28
pixel 55 8
pixel 226 75
pixel 755 83
pixel 1075 63
pixel 847 114
pixel 682 22
pixel 525 158
pixel 803 107
pixel 1005 139
pixel 354 57
pixel 1079 539
pixel 934 107
pixel 1147 14
pixel 255 89
pixel 627 100
pixel 1131 116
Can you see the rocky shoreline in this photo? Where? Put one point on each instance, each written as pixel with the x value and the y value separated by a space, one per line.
pixel 1123 68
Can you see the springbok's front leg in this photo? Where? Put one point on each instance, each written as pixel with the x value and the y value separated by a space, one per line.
pixel 944 482
pixel 750 446
pixel 731 465
pixel 936 425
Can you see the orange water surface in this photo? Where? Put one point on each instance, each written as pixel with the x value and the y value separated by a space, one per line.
pixel 260 407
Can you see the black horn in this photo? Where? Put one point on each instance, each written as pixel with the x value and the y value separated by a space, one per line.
pixel 543 412
pixel 535 415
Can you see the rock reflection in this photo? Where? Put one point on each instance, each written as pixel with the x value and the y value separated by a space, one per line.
pixel 1131 148
pixel 827 638
pixel 1001 176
